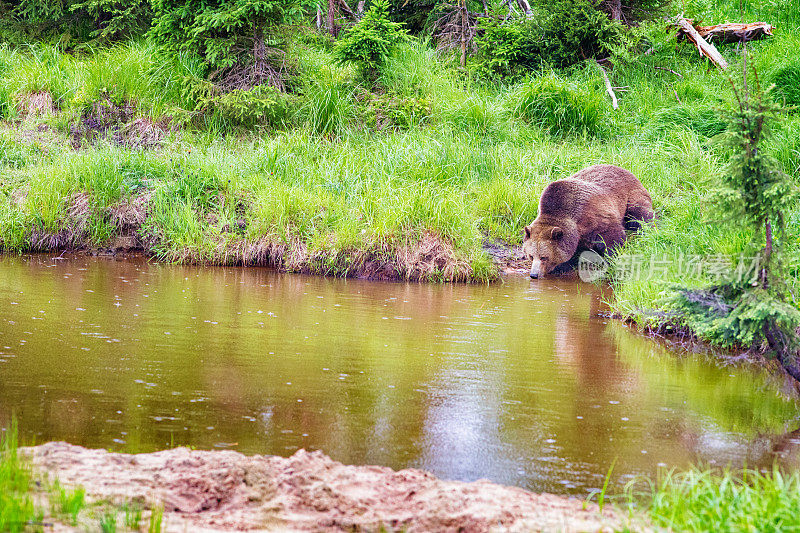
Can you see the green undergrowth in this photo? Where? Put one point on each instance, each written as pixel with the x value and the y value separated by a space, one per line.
pixel 712 500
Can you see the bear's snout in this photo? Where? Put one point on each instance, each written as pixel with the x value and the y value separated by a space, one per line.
pixel 536 267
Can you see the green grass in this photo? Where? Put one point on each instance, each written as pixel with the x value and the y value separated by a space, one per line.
pixel 108 522
pixel 67 503
pixel 156 520
pixel 562 107
pixel 17 509
pixel 133 515
pixel 351 174
pixel 710 500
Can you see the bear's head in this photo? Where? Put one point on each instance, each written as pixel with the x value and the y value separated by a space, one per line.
pixel 548 245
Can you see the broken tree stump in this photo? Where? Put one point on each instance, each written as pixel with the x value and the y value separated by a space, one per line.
pixel 704 47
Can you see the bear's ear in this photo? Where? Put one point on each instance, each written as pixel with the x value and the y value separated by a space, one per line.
pixel 556 233
pixel 527 232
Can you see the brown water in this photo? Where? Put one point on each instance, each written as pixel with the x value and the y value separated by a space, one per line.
pixel 516 382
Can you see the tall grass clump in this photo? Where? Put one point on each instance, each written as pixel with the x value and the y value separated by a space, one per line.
pixel 787 83
pixel 17 509
pixel 477 114
pixel 67 503
pixel 120 73
pixel 506 205
pixel 329 107
pixel 561 107
pixel 415 70
pixel 701 119
pixel 41 68
pixel 708 500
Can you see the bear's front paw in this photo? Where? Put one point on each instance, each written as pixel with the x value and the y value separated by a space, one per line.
pixel 599 246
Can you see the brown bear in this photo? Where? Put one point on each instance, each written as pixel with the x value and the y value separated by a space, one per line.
pixel 590 210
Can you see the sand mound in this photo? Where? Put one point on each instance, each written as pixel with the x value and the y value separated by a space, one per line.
pixel 225 490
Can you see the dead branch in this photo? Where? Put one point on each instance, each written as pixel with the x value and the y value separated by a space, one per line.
pixel 609 88
pixel 265 67
pixel 669 70
pixel 456 29
pixel 346 9
pixel 704 47
pixel 731 32
pixel 525 7
pixel 676 94
pixel 511 9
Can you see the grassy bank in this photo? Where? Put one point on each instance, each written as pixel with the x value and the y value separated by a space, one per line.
pixel 706 500
pixel 404 179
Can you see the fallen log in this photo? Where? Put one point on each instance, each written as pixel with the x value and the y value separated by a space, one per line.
pixel 704 47
pixel 731 32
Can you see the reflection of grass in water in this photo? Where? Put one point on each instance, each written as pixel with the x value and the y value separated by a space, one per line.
pixel 707 500
pixel 744 402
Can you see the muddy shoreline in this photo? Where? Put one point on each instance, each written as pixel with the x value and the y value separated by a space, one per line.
pixel 228 491
pixel 507 258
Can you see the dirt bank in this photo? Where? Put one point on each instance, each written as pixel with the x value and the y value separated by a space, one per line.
pixel 225 491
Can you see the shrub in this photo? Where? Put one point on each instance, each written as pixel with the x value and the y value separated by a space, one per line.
pixel 224 33
pixel 755 313
pixel 561 107
pixel 563 33
pixel 115 19
pixel 75 19
pixel 572 31
pixel 501 48
pixel 415 14
pixel 260 105
pixel 371 41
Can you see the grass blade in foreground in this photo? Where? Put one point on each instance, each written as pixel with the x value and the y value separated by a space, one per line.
pixel 706 500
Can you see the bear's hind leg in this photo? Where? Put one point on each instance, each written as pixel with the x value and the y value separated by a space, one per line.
pixel 608 239
pixel 635 215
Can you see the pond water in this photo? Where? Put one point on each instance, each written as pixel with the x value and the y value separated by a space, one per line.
pixel 519 382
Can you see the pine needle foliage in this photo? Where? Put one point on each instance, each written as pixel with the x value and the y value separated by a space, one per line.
pixel 370 42
pixel 754 313
pixel 221 32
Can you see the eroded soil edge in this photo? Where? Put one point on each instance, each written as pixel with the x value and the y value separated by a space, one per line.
pixel 226 490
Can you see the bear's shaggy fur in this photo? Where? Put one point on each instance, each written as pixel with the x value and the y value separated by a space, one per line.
pixel 590 210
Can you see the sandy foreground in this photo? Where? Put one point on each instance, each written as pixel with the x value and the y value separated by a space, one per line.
pixel 226 491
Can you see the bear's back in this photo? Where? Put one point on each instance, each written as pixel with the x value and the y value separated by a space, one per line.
pixel 566 197
pixel 608 177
